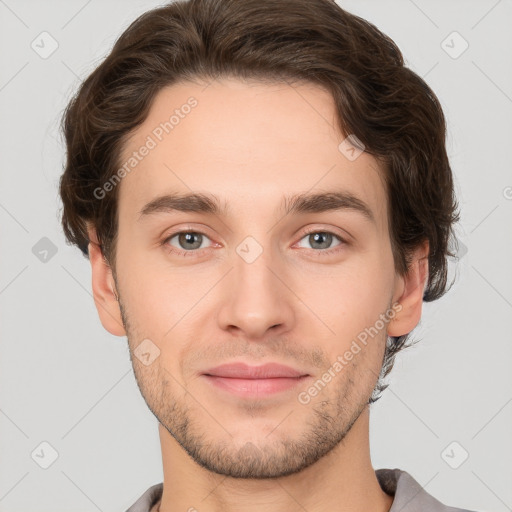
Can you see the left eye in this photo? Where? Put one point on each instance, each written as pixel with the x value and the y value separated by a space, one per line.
pixel 322 239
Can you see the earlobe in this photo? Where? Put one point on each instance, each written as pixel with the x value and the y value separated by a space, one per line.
pixel 411 287
pixel 103 286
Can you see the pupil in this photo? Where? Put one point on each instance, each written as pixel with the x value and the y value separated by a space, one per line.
pixel 188 238
pixel 317 237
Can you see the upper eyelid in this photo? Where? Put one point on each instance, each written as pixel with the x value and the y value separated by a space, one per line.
pixel 319 230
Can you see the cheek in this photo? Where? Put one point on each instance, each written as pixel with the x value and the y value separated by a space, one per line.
pixel 167 305
pixel 351 302
pixel 353 293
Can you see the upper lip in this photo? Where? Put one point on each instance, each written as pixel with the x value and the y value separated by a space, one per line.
pixel 244 371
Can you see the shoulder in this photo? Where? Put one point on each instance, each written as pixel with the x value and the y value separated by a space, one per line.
pixel 409 495
pixel 150 497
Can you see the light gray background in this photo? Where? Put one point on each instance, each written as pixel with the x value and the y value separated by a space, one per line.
pixel 67 382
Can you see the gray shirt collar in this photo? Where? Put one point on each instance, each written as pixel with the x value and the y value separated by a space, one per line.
pixel 408 494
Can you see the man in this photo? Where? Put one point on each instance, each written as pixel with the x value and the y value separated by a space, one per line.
pixel 306 167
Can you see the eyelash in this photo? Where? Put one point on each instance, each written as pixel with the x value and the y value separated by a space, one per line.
pixel 320 252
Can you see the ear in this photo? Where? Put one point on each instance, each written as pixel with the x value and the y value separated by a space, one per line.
pixel 409 293
pixel 103 287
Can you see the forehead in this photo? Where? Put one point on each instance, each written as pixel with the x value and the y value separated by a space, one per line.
pixel 248 142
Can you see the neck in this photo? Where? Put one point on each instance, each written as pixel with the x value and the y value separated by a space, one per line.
pixel 343 480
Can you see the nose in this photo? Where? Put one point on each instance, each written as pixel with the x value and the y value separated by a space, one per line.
pixel 256 298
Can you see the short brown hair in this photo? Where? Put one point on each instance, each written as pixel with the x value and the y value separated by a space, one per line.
pixel 388 107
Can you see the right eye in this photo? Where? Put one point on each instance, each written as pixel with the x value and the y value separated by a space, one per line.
pixel 189 242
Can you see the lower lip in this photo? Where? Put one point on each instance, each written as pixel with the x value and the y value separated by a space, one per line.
pixel 255 387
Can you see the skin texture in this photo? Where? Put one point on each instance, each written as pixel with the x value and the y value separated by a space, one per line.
pixel 250 144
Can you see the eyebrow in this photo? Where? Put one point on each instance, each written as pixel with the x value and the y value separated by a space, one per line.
pixel 298 203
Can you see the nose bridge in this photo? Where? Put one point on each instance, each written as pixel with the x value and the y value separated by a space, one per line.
pixel 256 299
pixel 252 261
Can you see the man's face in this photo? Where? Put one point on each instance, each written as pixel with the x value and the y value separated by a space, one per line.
pixel 251 284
